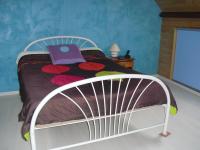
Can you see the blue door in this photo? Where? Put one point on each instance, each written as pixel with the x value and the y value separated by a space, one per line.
pixel 187 58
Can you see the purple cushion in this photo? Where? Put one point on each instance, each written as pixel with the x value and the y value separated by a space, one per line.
pixel 65 54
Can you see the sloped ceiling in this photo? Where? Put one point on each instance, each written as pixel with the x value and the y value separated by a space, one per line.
pixel 179 5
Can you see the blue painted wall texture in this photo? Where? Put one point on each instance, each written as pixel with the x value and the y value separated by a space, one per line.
pixel 187 62
pixel 133 24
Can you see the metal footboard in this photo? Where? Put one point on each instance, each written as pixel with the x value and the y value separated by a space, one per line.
pixel 110 125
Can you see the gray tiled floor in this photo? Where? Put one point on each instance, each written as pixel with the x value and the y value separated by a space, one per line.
pixel 184 128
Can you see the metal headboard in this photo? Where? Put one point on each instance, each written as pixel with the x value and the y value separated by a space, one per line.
pixel 40 46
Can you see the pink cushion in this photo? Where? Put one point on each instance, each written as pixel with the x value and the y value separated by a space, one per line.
pixel 61 80
pixel 55 69
pixel 91 66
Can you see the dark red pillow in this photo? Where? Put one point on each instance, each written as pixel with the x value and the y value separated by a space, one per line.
pixel 55 69
pixel 91 66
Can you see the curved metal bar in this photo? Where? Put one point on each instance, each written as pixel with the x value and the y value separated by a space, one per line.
pixel 44 43
pixel 91 81
pixel 130 102
pixel 57 42
pixel 39 45
pixel 78 40
pixel 94 123
pixel 59 37
pixel 117 103
pixel 110 123
pixel 136 103
pixel 75 103
pixel 97 108
pixel 71 40
pixel 83 44
pixel 52 42
pixel 66 41
pixel 104 101
pixel 122 105
pixel 62 41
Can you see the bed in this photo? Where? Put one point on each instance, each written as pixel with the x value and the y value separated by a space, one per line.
pixel 97 92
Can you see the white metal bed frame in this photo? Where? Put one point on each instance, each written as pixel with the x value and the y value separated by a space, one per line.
pixel 110 129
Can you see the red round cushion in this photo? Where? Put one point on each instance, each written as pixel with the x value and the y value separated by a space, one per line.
pixel 61 80
pixel 91 66
pixel 55 69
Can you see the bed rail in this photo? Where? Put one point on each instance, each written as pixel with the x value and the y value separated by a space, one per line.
pixel 42 43
pixel 40 46
pixel 109 124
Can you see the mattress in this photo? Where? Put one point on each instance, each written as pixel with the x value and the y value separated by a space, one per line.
pixel 38 77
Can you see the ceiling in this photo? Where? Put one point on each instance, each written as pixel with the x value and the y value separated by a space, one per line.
pixel 179 5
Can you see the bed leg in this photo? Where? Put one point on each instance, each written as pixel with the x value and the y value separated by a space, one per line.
pixel 165 134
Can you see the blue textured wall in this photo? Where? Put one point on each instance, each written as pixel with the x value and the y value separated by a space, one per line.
pixel 133 24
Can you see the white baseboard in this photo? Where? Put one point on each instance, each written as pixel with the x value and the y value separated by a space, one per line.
pixel 9 93
pixel 177 84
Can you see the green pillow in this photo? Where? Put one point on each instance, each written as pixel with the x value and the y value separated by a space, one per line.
pixel 106 73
